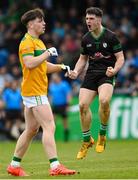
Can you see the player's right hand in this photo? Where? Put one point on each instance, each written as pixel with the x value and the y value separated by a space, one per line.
pixel 110 72
pixel 52 51
pixel 73 74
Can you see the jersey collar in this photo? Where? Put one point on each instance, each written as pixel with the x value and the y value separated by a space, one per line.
pixel 100 35
pixel 29 35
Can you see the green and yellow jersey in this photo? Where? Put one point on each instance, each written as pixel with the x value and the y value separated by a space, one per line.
pixel 35 80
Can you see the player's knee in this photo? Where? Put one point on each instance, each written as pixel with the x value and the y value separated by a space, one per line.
pixel 104 102
pixel 32 132
pixel 52 127
pixel 49 127
pixel 83 107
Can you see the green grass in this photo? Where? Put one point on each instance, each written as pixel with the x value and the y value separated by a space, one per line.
pixel 119 161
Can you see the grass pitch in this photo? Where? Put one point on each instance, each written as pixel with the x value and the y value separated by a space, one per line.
pixel 119 161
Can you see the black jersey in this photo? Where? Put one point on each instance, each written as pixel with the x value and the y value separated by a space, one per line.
pixel 100 50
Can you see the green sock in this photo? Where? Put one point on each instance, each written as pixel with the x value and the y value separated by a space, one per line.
pixel 103 129
pixel 53 159
pixel 15 161
pixel 86 136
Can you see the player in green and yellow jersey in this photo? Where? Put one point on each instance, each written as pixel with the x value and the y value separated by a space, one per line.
pixel 33 57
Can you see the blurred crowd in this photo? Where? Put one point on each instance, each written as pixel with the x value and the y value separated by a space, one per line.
pixel 65 26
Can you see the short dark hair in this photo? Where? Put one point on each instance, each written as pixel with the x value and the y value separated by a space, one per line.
pixel 94 10
pixel 31 15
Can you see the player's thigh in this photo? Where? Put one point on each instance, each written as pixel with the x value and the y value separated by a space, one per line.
pixel 86 96
pixel 105 92
pixel 43 114
pixel 30 121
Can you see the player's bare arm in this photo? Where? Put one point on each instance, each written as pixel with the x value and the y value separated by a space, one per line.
pixel 119 63
pixel 52 68
pixel 79 66
pixel 32 62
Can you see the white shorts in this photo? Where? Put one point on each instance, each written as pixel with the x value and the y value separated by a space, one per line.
pixel 32 101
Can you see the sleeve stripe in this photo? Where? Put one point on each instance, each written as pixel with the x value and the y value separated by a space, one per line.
pixel 28 54
pixel 82 51
pixel 118 46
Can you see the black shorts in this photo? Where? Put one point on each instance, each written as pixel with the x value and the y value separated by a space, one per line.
pixel 94 80
pixel 13 114
pixel 60 110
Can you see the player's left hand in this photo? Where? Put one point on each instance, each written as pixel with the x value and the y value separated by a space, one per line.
pixel 110 72
pixel 66 69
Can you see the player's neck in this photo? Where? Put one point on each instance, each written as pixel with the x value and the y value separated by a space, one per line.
pixel 98 31
pixel 33 34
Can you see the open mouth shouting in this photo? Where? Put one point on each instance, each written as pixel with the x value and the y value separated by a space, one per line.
pixel 89 27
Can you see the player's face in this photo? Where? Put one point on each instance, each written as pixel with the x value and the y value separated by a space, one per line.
pixel 38 25
pixel 92 22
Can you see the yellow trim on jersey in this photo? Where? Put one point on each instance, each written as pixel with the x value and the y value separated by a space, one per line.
pixel 28 54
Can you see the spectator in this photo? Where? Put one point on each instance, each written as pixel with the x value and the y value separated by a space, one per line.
pixel 13 106
pixel 60 96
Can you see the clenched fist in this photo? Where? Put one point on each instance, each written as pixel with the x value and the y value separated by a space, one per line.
pixel 73 74
pixel 52 51
pixel 110 72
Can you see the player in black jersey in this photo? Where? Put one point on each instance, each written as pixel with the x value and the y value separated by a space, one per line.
pixel 101 49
